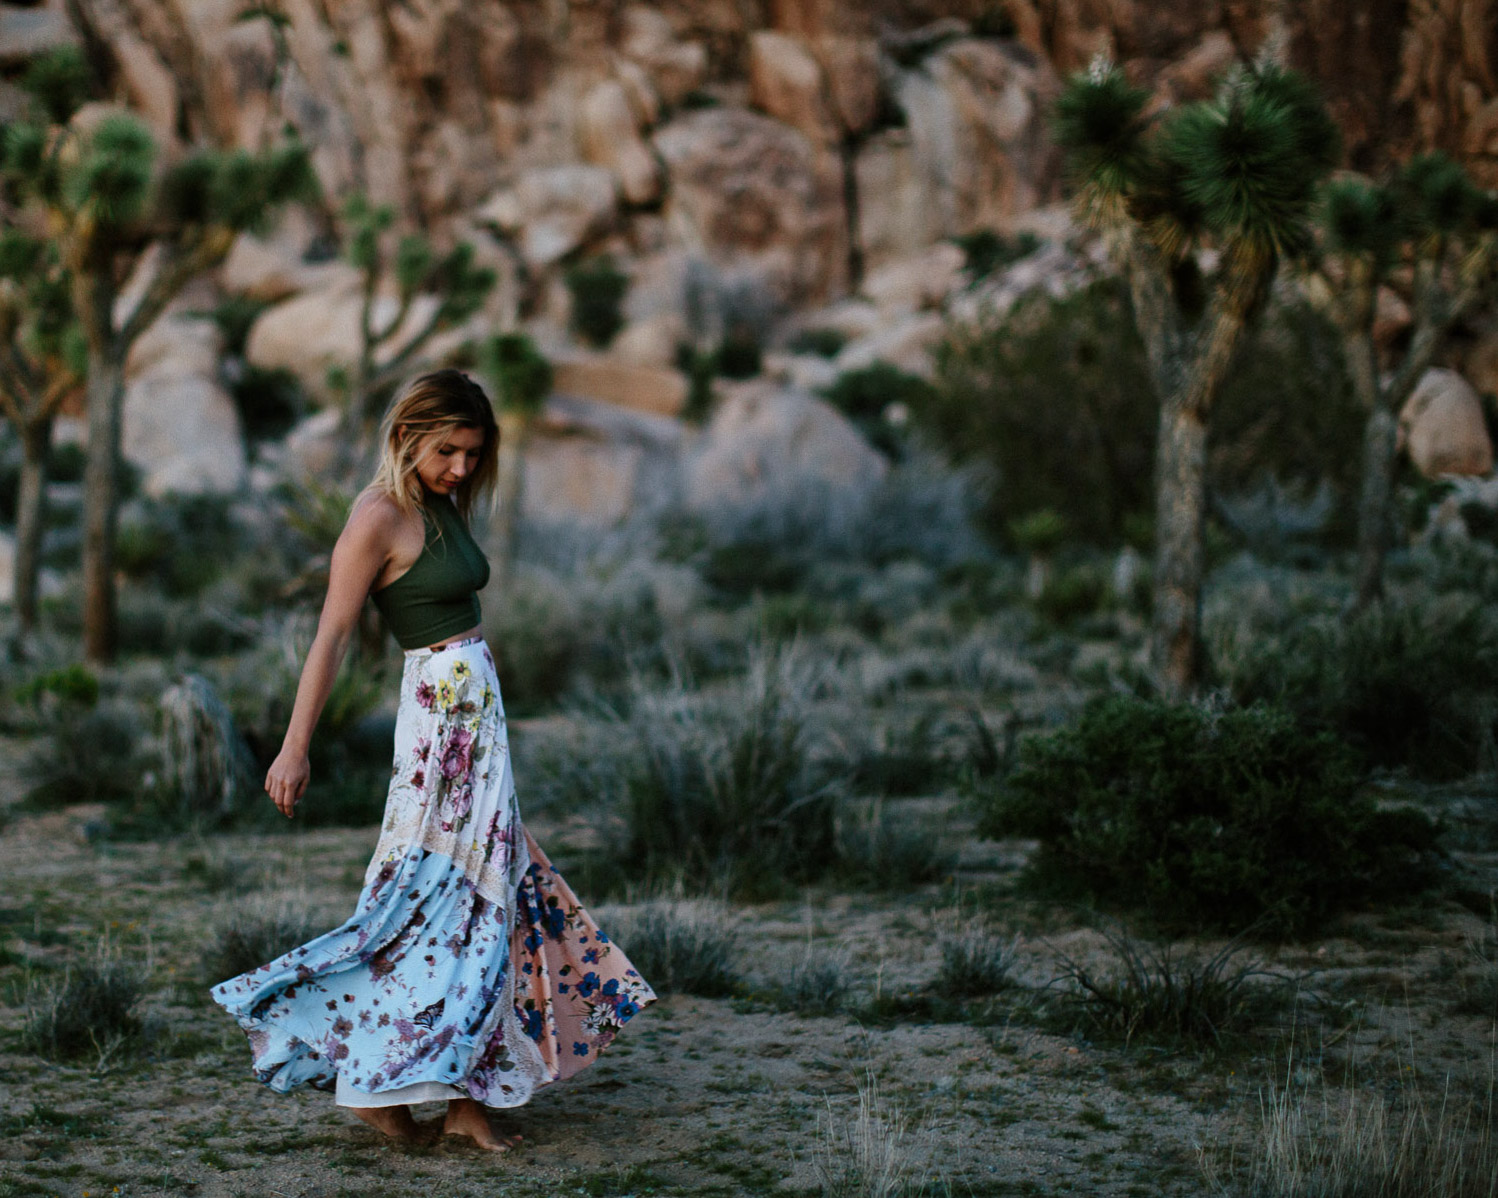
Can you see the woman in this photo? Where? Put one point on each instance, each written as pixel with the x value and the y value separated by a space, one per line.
pixel 468 971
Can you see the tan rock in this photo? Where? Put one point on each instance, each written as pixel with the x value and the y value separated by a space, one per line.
pixel 757 196
pixel 643 101
pixel 1195 76
pixel 553 210
pixel 919 282
pixel 850 66
pixel 271 269
pixel 609 380
pixel 312 448
pixel 785 80
pixel 318 329
pixel 896 217
pixel 1441 427
pixel 178 424
pixel 676 68
pixel 580 479
pixel 977 113
pixel 763 438
pixel 650 342
pixel 609 133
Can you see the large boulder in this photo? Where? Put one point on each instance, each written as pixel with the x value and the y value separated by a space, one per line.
pixel 980 149
pixel 178 424
pixel 676 68
pixel 319 329
pixel 785 80
pixel 609 130
pixel 609 379
pixel 553 210
pixel 758 198
pixel 762 438
pixel 1441 427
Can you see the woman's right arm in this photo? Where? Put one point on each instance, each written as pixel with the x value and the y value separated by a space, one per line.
pixel 362 550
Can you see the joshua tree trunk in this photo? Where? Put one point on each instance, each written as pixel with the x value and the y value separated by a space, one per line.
pixel 105 393
pixel 1374 514
pixel 1180 506
pixel 31 516
pixel 514 432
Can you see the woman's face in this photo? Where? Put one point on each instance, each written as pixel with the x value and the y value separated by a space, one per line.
pixel 444 460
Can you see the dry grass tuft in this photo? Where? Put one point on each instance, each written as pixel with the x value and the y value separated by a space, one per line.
pixel 868 1155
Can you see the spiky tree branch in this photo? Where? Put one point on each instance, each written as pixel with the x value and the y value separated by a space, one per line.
pixel 1236 174
pixel 1428 219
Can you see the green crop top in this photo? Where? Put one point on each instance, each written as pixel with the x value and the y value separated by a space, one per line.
pixel 437 597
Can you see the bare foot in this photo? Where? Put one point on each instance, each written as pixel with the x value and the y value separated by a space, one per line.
pixel 393 1121
pixel 465 1117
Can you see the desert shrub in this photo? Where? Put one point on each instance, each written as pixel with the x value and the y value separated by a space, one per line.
pixel 987 250
pixel 180 543
pixel 90 1010
pixel 1408 684
pixel 868 1154
pixel 880 400
pixel 1072 592
pixel 1318 1145
pixel 598 287
pixel 249 936
pixel 1206 820
pixel 824 342
pixel 88 747
pixel 907 759
pixel 534 637
pixel 681 947
pixel 270 401
pixel 724 789
pixel 818 983
pixel 975 961
pixel 1056 395
pixel 1162 993
pixel 882 849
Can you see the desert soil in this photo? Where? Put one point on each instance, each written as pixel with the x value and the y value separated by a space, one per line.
pixel 698 1097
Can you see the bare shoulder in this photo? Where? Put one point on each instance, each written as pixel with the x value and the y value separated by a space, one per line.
pixel 374 520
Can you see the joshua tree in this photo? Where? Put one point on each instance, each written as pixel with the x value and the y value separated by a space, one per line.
pixel 522 381
pixel 42 359
pixel 1236 175
pixel 459 285
pixel 95 188
pixel 1431 230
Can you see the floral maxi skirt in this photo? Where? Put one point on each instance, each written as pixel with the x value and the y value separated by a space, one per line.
pixel 468 967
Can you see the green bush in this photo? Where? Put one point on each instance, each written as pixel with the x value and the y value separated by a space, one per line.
pixel 270 401
pixel 249 937
pixel 988 251
pixel 598 288
pixel 879 399
pixel 90 1011
pixel 680 947
pixel 1407 684
pixel 722 790
pixel 880 849
pixel 824 342
pixel 1206 820
pixel 1056 395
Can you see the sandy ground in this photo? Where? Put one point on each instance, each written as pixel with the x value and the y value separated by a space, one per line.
pixel 698 1097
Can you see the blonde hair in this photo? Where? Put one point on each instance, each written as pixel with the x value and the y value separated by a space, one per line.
pixel 433 405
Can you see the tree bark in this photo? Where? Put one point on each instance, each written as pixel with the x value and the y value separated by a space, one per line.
pixel 31 516
pixel 1374 514
pixel 1180 507
pixel 105 394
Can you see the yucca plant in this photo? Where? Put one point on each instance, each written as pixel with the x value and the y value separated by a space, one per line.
pixel 95 190
pixel 1427 224
pixel 417 268
pixel 1237 175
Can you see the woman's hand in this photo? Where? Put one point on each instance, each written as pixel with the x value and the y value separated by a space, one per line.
pixel 287 779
